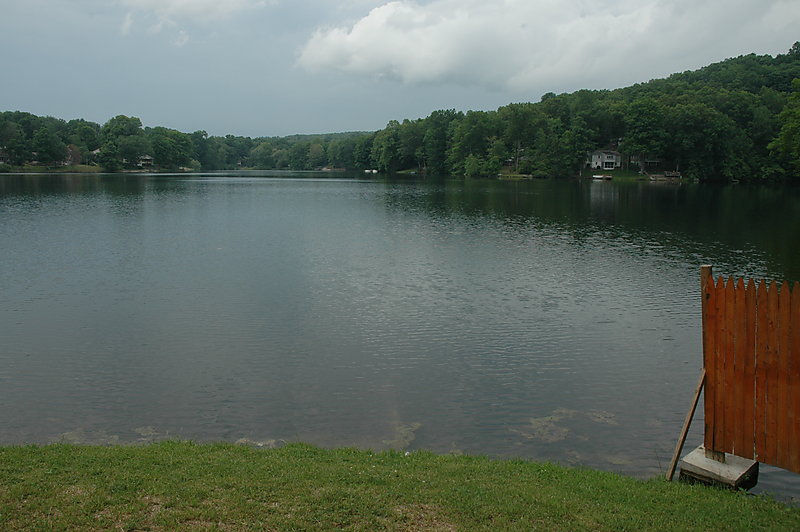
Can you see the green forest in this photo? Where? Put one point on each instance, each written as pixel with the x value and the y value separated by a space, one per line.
pixel 738 119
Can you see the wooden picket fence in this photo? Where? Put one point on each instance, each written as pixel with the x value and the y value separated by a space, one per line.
pixel 751 357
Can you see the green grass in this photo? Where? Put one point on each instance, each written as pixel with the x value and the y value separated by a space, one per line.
pixel 79 168
pixel 186 486
pixel 73 168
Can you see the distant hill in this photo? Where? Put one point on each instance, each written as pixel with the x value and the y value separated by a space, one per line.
pixel 735 119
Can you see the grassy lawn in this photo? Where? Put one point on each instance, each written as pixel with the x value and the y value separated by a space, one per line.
pixel 181 485
pixel 79 168
pixel 74 168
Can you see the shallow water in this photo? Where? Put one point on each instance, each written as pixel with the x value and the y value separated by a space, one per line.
pixel 551 320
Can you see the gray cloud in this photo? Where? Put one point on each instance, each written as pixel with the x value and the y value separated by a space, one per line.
pixel 203 10
pixel 156 15
pixel 232 67
pixel 519 45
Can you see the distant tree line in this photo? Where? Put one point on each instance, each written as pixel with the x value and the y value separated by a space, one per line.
pixel 736 119
pixel 122 143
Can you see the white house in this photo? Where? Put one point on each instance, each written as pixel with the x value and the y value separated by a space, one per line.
pixel 605 159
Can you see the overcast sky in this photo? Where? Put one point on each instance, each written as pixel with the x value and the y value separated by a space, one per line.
pixel 277 67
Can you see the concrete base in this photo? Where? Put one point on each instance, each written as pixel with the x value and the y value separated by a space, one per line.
pixel 735 472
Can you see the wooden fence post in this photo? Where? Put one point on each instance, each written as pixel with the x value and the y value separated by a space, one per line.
pixel 709 344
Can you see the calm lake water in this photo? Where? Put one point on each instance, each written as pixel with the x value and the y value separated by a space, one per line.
pixel 550 320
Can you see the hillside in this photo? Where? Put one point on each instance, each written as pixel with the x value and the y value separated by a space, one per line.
pixel 736 119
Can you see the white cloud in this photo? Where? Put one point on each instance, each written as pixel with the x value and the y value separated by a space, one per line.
pixel 524 44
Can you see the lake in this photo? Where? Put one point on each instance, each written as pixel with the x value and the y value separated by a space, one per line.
pixel 549 320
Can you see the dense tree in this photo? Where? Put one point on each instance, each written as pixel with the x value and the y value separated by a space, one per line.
pixel 362 151
pixel 262 156
pixel 238 151
pixel 709 144
pixel 386 148
pixel 84 134
pixel 520 123
pixel 411 138
pixel 121 126
pixel 474 166
pixel 341 153
pixel 298 156
pixel 14 143
pixel 471 135
pixel 48 146
pixel 281 158
pixel 27 122
pixel 224 154
pixel 131 147
pixel 201 150
pixel 577 141
pixel 549 156
pixel 170 148
pixel 436 139
pixel 645 131
pixel 109 157
pixel 317 158
pixel 787 143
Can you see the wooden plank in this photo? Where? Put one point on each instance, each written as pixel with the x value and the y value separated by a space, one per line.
pixel 740 391
pixel 719 376
pixel 749 372
pixel 782 434
pixel 794 382
pixel 709 304
pixel 771 362
pixel 761 372
pixel 730 392
pixel 686 424
pixel 713 377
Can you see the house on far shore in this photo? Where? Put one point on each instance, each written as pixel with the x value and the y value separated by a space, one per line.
pixel 4 158
pixel 604 159
pixel 145 161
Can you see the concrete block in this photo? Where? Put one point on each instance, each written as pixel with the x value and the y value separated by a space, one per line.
pixel 735 472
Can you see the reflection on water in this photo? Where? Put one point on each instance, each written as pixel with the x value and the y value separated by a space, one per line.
pixel 543 319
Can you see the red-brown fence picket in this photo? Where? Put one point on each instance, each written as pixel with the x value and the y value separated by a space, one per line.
pixel 751 356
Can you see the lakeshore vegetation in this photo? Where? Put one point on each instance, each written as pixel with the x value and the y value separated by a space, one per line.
pixel 738 119
pixel 181 485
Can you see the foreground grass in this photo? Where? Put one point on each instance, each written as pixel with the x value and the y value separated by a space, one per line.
pixel 186 486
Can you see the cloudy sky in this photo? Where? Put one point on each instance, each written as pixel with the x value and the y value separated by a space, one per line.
pixel 277 67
